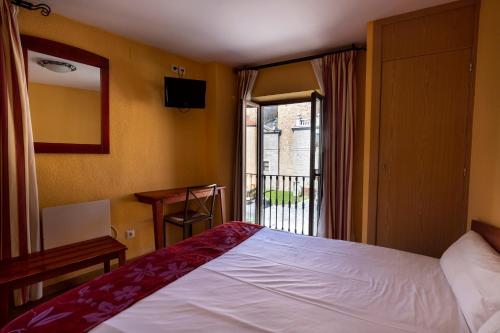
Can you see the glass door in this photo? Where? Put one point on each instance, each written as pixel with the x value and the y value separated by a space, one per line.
pixel 282 164
pixel 316 156
pixel 251 162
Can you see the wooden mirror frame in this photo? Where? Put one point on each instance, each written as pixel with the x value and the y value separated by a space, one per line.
pixel 60 50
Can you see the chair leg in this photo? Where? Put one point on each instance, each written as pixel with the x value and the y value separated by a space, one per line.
pixel 187 230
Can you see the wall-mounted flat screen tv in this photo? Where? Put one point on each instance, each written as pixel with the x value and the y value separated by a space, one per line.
pixel 185 93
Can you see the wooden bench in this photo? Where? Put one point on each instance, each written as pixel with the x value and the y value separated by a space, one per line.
pixel 22 271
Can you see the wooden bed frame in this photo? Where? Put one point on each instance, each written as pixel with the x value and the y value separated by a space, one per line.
pixel 490 233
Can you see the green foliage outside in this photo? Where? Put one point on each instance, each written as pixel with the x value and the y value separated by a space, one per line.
pixel 279 197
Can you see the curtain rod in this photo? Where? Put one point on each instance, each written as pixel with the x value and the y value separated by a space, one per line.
pixel 45 9
pixel 352 47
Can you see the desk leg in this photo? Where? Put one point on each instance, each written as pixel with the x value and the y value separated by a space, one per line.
pixel 159 227
pixel 4 305
pixel 121 258
pixel 107 266
pixel 222 198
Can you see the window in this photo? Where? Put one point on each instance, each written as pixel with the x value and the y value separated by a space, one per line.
pixel 266 166
pixel 282 173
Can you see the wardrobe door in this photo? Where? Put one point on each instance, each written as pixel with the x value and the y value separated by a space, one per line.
pixel 423 153
pixel 423 126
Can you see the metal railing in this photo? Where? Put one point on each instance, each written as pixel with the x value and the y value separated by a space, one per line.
pixel 300 122
pixel 284 205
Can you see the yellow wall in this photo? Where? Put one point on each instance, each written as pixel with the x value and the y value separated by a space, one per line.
pixel 291 78
pixel 484 188
pixel 64 114
pixel 221 126
pixel 152 147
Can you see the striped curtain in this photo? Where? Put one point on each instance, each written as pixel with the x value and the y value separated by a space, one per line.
pixel 20 228
pixel 246 81
pixel 336 76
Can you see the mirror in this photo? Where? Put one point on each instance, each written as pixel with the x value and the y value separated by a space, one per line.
pixel 68 92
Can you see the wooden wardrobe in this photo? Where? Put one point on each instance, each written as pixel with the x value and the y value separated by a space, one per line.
pixel 421 108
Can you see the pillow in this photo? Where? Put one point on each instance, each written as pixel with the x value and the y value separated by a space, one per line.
pixel 472 268
pixel 492 325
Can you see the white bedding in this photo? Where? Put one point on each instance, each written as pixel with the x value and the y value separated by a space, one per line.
pixel 281 282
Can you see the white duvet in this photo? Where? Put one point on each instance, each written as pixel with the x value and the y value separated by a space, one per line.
pixel 281 282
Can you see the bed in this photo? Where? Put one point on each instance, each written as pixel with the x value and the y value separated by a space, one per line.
pixel 244 278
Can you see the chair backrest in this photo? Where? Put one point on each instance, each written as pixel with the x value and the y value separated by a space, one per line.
pixel 202 197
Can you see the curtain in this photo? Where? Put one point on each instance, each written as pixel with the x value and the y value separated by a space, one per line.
pixel 19 228
pixel 246 81
pixel 336 76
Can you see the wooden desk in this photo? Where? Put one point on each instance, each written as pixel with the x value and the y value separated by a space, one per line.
pixel 157 198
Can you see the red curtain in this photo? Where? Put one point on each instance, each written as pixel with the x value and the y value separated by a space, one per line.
pixel 246 81
pixel 19 228
pixel 336 75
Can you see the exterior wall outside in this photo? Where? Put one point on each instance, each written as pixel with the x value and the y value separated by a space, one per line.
pixel 295 140
pixel 286 148
pixel 286 143
pixel 272 153
pixel 301 153
pixel 251 149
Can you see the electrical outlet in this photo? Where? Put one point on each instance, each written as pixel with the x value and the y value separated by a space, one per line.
pixel 175 68
pixel 130 233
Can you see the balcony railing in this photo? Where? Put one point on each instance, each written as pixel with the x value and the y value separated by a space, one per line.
pixel 300 122
pixel 285 203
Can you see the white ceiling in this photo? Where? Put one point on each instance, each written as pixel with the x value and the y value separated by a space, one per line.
pixel 238 32
pixel 85 77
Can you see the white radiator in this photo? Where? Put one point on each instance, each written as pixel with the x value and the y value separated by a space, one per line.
pixel 68 224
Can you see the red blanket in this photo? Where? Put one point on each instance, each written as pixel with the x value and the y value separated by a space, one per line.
pixel 85 307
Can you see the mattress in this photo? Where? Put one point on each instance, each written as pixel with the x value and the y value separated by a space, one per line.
pixel 281 282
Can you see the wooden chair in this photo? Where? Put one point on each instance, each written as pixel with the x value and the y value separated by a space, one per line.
pixel 198 207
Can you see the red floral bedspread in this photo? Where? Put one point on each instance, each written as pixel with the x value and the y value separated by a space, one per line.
pixel 85 307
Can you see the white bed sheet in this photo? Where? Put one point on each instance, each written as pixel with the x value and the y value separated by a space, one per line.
pixel 281 282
